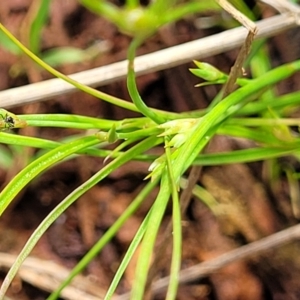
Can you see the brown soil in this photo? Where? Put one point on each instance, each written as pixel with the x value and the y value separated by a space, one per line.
pixel 252 208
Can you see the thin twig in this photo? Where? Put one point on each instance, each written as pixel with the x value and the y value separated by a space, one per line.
pixel 148 63
pixel 208 267
pixel 47 275
pixel 240 17
pixel 285 6
pixel 237 69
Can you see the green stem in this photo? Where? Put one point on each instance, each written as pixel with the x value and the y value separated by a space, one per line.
pixel 177 234
pixel 132 88
pixel 108 98
pixel 108 235
pixel 105 171
pixel 147 245
pixel 230 105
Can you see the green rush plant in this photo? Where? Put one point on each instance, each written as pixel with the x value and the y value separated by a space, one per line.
pixel 183 136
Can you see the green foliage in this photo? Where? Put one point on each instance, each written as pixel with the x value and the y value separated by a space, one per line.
pixel 8 44
pixel 37 24
pixel 183 137
pixel 140 22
